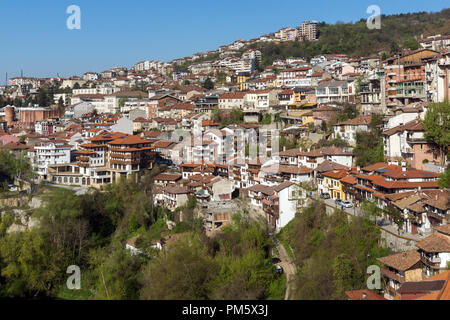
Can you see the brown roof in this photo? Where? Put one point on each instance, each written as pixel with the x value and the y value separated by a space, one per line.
pixel 363 294
pixel 360 120
pixel 444 229
pixel 437 242
pixel 168 176
pixel 401 261
pixel 415 125
pixel 421 286
pixel 328 165
pixel 174 189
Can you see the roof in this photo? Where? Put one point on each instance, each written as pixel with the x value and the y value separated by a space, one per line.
pixel 168 176
pixel 363 294
pixel 175 189
pixel 415 125
pixel 335 174
pixel 444 293
pixel 129 140
pixel 360 120
pixel 401 261
pixel 421 286
pixel 437 242
pixel 328 165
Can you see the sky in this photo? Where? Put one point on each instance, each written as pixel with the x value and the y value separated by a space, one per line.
pixel 35 37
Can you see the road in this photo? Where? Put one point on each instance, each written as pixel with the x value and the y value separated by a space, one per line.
pixel 380 222
pixel 288 266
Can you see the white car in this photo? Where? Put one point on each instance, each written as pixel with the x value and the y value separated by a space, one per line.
pixel 346 204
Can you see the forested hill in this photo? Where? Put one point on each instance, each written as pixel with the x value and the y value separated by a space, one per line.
pixel 355 39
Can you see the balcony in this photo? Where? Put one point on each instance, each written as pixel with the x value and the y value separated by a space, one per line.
pixel 392 275
pixel 431 262
pixel 435 215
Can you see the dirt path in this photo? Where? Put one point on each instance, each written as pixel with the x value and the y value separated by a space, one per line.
pixel 288 266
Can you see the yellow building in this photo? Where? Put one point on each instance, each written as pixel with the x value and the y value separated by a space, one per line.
pixel 307 118
pixel 241 79
pixel 333 185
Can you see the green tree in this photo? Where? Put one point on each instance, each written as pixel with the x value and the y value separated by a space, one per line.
pixel 444 179
pixel 117 273
pixel 185 272
pixel 208 84
pixel 437 127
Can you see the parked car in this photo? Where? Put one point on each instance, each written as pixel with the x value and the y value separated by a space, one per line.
pixel 275 260
pixel 12 187
pixel 279 269
pixel 338 202
pixel 346 204
pixel 325 196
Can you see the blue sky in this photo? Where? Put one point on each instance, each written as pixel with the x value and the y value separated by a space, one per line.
pixel 35 38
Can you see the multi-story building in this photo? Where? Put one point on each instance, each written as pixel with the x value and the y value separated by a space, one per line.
pixel 295 77
pixel 408 142
pixel 50 152
pixel 405 77
pixel 308 30
pixel 332 91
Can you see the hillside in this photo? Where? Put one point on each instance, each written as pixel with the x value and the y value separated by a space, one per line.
pixel 355 39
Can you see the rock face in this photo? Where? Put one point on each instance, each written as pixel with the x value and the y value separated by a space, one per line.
pixel 23 221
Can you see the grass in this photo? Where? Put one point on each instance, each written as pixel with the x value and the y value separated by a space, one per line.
pixel 282 237
pixel 65 293
pixel 277 288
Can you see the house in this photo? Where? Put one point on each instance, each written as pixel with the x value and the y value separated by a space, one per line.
pixel 408 142
pixel 348 129
pixel 164 179
pixel 232 100
pixel 174 196
pixel 279 202
pixel 436 287
pixel 400 268
pixel 435 251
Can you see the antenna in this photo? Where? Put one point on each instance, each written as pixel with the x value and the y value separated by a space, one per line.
pixel 21 73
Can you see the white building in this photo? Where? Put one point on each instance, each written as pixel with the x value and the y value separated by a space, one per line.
pixel 50 152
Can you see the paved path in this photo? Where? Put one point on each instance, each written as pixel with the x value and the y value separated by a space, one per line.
pixel 78 190
pixel 288 266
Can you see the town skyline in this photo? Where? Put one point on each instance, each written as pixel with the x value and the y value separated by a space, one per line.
pixel 47 62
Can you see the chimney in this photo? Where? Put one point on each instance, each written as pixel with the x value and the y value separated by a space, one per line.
pixel 403 169
pixel 358 169
pixel 364 296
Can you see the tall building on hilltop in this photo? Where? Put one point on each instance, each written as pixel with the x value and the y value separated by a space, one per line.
pixel 308 30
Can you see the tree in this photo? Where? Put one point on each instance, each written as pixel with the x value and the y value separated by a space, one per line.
pixel 370 209
pixel 122 101
pixel 185 272
pixel 28 265
pixel 208 84
pixel 437 127
pixel 444 179
pixel 117 273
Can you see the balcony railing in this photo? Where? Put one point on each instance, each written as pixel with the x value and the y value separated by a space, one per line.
pixel 392 275
pixel 431 262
